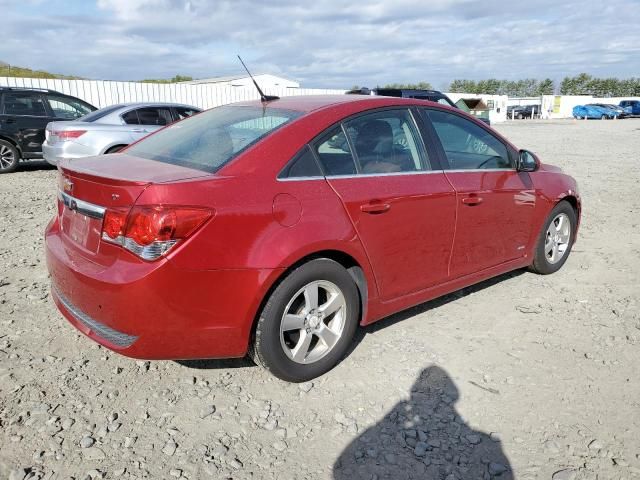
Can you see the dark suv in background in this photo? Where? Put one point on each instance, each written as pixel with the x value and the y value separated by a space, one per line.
pixel 24 114
pixel 431 95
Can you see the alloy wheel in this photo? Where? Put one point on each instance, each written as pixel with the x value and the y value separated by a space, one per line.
pixel 313 322
pixel 557 238
pixel 7 157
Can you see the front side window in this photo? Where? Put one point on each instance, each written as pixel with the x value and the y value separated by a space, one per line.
pixel 24 104
pixel 386 142
pixel 467 146
pixel 211 139
pixel 67 108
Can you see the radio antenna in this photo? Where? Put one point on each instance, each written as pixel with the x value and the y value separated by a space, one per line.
pixel 263 97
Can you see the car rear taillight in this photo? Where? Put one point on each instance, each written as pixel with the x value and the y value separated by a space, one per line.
pixel 151 231
pixel 68 134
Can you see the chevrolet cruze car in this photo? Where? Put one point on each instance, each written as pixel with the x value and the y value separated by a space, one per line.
pixel 276 229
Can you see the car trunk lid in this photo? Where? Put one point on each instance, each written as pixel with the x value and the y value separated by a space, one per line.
pixel 90 186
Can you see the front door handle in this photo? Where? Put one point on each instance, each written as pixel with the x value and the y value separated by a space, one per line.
pixel 139 130
pixel 375 208
pixel 472 200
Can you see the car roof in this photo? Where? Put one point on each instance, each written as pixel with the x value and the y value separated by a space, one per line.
pixel 150 104
pixel 309 103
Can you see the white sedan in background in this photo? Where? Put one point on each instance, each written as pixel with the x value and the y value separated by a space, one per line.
pixel 109 129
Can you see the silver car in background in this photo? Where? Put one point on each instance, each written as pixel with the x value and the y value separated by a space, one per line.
pixel 109 129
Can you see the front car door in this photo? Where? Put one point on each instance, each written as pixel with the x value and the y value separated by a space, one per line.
pixel 495 203
pixel 24 118
pixel 397 197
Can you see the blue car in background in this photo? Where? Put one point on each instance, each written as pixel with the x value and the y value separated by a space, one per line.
pixel 631 107
pixel 593 111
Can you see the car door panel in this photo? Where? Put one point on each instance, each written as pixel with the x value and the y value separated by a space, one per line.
pixel 495 211
pixel 495 203
pixel 24 118
pixel 406 224
pixel 401 204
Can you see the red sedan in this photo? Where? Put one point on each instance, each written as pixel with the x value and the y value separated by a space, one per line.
pixel 277 229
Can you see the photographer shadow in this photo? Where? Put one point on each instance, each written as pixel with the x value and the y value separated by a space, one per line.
pixel 424 438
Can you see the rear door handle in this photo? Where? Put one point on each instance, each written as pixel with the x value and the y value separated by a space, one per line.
pixel 471 201
pixel 375 208
pixel 139 130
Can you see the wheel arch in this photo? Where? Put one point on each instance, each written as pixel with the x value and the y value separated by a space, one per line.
pixel 350 264
pixel 113 145
pixel 12 142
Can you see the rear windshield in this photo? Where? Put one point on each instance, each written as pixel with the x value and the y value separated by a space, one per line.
pixel 209 140
pixel 98 114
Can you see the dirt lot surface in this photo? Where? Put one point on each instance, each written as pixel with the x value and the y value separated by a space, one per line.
pixel 524 376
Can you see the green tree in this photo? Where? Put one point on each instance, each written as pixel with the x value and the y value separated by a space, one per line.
pixel 7 70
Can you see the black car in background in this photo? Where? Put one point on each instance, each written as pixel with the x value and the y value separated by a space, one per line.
pixel 24 114
pixel 523 111
pixel 431 95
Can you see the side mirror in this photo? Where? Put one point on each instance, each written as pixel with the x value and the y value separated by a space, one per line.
pixel 527 161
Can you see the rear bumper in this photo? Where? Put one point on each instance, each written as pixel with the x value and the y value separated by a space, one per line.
pixel 153 310
pixel 69 149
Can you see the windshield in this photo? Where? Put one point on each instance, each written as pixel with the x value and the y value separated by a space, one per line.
pixel 209 140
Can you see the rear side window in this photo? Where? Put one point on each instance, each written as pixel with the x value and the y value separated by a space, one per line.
pixel 303 165
pixel 24 104
pixel 67 108
pixel 183 112
pixel 334 153
pixel 211 139
pixel 154 116
pixel 467 145
pixel 98 114
pixel 131 118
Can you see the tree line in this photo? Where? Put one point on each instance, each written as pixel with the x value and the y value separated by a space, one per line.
pixel 582 84
pixel 528 87
pixel 585 84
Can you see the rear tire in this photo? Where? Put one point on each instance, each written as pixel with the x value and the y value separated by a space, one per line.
pixel 555 240
pixel 9 157
pixel 308 322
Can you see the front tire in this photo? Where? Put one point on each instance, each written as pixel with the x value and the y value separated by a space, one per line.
pixel 9 157
pixel 308 322
pixel 555 240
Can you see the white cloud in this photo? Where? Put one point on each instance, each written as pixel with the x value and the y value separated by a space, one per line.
pixel 328 43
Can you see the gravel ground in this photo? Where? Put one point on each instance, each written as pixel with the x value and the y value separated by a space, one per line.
pixel 523 376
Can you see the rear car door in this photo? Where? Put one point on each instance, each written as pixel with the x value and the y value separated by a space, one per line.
pixel 495 203
pixel 397 197
pixel 24 118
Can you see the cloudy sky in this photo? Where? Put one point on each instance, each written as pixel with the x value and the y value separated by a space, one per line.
pixel 324 43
